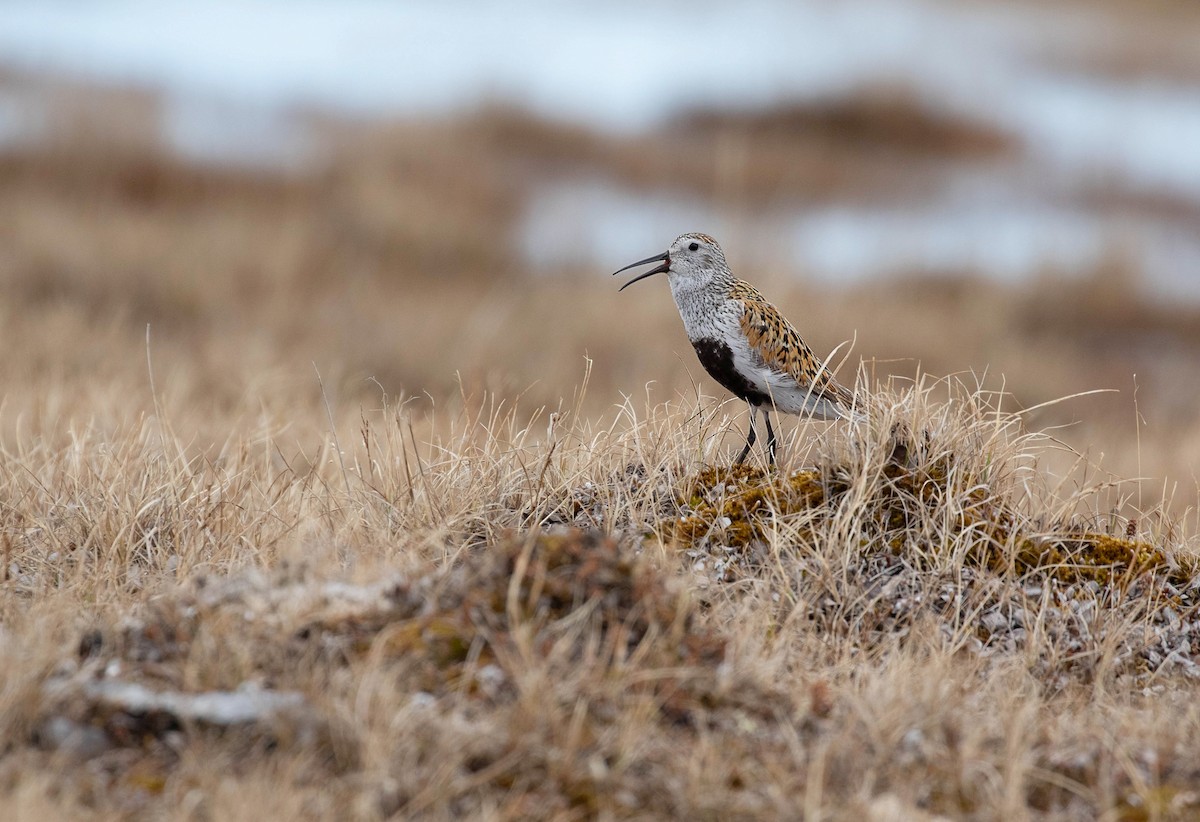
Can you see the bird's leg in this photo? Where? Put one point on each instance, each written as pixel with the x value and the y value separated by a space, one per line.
pixel 770 436
pixel 749 437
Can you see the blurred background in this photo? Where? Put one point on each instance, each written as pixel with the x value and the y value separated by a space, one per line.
pixel 426 199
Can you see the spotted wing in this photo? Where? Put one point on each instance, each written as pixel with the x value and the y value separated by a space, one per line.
pixel 776 343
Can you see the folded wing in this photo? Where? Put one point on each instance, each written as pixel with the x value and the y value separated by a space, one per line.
pixel 781 351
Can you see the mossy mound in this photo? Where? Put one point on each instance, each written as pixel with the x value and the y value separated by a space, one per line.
pixel 1067 552
pixel 926 509
pixel 541 586
pixel 566 599
pixel 1089 557
pixel 740 501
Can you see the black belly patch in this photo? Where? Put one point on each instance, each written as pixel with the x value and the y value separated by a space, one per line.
pixel 717 359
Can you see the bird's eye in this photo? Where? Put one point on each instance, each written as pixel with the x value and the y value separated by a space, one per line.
pixel 694 247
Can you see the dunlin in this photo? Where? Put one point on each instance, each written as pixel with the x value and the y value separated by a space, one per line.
pixel 743 341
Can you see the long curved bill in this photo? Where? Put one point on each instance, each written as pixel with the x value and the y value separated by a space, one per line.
pixel 666 265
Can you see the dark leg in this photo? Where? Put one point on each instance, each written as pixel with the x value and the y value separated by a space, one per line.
pixel 770 436
pixel 749 437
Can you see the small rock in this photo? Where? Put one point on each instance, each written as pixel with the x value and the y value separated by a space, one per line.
pixel 74 739
pixel 994 621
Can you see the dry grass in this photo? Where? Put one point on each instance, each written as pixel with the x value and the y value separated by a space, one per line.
pixel 491 561
pixel 484 614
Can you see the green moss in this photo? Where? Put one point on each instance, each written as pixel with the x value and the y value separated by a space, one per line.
pixel 1158 802
pixel 739 502
pixel 1088 557
pixel 924 504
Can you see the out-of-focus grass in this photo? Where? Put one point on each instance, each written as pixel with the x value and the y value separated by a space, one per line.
pixel 390 264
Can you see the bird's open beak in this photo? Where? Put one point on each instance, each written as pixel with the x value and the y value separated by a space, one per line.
pixel 659 269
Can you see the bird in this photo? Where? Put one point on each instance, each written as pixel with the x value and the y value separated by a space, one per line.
pixel 743 341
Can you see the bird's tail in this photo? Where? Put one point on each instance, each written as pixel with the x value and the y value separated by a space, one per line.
pixel 856 415
pixel 851 406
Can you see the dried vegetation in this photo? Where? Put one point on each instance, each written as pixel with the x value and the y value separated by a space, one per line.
pixel 602 620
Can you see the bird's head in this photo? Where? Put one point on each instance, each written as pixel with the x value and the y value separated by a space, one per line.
pixel 693 259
